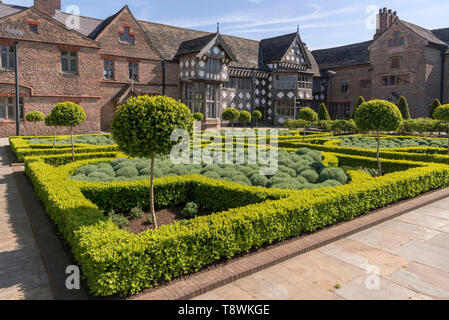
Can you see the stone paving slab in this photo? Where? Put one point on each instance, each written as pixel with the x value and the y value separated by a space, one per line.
pixel 22 271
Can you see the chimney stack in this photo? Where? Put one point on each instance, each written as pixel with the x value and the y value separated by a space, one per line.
pixel 385 19
pixel 48 7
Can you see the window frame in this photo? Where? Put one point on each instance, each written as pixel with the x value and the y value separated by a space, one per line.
pixel 108 68
pixel 9 56
pixel 344 86
pixel 72 59
pixel 133 71
pixel 126 36
pixel 9 105
pixel 285 82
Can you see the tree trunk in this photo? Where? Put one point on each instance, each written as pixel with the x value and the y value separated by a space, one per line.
pixel 378 155
pixel 73 145
pixel 152 211
pixel 54 139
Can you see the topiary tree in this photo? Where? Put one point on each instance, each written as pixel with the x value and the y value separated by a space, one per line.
pixel 357 105
pixel 49 122
pixel 142 128
pixel 307 115
pixel 257 115
pixel 323 114
pixel 435 104
pixel 442 113
pixel 378 115
pixel 35 117
pixel 403 107
pixel 68 114
pixel 231 115
pixel 198 116
pixel 245 117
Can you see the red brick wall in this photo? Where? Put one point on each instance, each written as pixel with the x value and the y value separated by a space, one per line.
pixel 48 6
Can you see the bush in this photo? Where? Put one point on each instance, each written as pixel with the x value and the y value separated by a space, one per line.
pixel 198 116
pixel 127 172
pixel 231 115
pixel 323 114
pixel 442 113
pixel 378 115
pixel 435 104
pixel 257 115
pixel 142 127
pixel 360 101
pixel 307 114
pixel 403 108
pixel 136 213
pixel 119 220
pixel 245 117
pixel 190 211
pixel 337 174
pixel 68 114
pixel 310 175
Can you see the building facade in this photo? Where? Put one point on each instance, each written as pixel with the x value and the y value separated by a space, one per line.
pixel 403 59
pixel 99 64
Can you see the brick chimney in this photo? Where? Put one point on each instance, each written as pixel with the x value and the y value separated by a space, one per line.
pixel 385 19
pixel 48 7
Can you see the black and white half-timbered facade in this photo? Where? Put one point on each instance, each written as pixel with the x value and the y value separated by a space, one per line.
pixel 275 76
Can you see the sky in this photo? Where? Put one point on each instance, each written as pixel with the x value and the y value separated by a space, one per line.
pixel 322 23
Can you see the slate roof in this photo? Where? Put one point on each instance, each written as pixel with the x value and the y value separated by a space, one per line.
pixel 275 48
pixel 194 45
pixel 350 55
pixel 442 34
pixel 425 33
pixel 170 40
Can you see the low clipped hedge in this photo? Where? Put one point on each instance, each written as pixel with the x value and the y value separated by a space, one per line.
pixel 115 261
pixel 21 148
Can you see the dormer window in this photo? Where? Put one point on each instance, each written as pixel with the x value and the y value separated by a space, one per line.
pixel 33 26
pixel 397 41
pixel 126 36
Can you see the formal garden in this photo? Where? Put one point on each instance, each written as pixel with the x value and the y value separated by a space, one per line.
pixel 134 219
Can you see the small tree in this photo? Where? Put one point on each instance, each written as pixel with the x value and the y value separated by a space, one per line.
pixel 257 115
pixel 35 117
pixel 403 107
pixel 323 114
pixel 435 104
pixel 378 115
pixel 68 114
pixel 245 117
pixel 231 115
pixel 442 113
pixel 198 116
pixel 142 127
pixel 50 123
pixel 309 116
pixel 358 104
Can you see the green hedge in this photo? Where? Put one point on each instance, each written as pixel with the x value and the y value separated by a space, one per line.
pixel 116 261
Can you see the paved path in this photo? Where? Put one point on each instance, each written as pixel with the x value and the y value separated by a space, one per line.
pixel 410 254
pixel 22 272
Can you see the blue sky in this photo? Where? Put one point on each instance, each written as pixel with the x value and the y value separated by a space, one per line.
pixel 323 23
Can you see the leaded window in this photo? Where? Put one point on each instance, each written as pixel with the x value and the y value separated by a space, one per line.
pixel 133 68
pixel 285 82
pixel 8 57
pixel 8 108
pixel 69 61
pixel 109 69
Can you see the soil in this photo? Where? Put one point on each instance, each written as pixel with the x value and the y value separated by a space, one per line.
pixel 165 217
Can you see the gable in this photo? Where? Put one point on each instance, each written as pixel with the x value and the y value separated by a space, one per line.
pixel 108 35
pixel 49 30
pixel 296 54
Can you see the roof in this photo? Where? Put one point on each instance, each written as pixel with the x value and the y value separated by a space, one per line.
pixel 350 55
pixel 275 48
pixel 424 33
pixel 169 40
pixel 442 34
pixel 195 45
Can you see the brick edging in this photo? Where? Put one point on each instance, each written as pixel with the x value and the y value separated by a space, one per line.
pixel 200 283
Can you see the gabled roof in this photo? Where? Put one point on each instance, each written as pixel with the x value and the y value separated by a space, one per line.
pixel 103 25
pixel 275 48
pixel 195 45
pixel 345 56
pixel 424 33
pixel 442 34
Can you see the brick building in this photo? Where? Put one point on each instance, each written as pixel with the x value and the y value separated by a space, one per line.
pixel 403 59
pixel 101 63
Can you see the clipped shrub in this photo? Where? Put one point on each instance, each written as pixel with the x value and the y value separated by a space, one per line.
pixel 198 116
pixel 378 115
pixel 442 113
pixel 259 180
pixel 323 114
pixel 307 114
pixel 127 172
pixel 360 101
pixel 435 104
pixel 35 117
pixel 310 175
pixel 142 127
pixel 119 220
pixel 231 115
pixel 337 174
pixel 245 117
pixel 257 115
pixel 190 211
pixel 68 114
pixel 403 107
